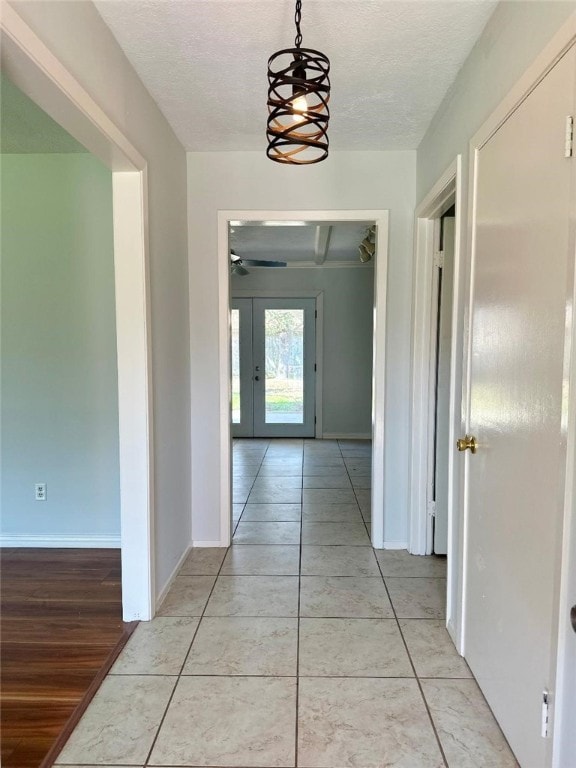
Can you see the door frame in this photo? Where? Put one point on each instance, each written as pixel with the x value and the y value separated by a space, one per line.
pixel 447 190
pixel 380 217
pixel 563 737
pixel 318 296
pixel 40 75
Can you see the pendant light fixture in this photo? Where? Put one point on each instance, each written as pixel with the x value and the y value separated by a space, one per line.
pixel 298 95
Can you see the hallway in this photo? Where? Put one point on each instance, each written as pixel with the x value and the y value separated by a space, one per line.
pixel 298 646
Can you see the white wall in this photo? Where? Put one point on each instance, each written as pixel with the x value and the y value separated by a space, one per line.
pixel 512 39
pixel 348 298
pixel 249 181
pixel 59 373
pixel 76 34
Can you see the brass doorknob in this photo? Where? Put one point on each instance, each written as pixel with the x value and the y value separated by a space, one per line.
pixel 466 443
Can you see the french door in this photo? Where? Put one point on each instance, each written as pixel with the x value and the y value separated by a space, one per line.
pixel 273 367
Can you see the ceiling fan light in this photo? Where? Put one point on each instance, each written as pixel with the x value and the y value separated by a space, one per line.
pixel 365 254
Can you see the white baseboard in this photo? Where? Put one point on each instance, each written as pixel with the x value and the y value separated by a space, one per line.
pixel 208 544
pixel 60 541
pixel 164 591
pixel 347 436
pixel 395 545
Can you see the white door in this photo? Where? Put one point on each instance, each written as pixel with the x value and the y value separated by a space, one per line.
pixel 444 345
pixel 273 367
pixel 516 478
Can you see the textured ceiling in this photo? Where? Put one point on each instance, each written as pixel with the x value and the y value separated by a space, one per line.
pixel 25 128
pixel 336 243
pixel 204 62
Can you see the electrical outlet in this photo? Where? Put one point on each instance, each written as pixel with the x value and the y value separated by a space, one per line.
pixel 40 491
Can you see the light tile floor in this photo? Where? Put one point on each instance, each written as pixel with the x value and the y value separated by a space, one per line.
pixel 299 646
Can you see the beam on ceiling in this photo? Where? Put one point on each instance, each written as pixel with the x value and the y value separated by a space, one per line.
pixel 322 243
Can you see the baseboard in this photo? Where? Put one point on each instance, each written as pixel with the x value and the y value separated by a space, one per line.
pixel 347 436
pixel 160 597
pixel 395 545
pixel 208 544
pixel 60 541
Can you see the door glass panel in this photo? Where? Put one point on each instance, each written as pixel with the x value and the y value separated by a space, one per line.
pixel 284 397
pixel 236 414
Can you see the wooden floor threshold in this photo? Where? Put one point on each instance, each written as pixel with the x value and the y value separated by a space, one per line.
pixel 75 717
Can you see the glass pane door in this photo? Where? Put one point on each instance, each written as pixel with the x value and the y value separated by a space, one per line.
pixel 284 348
pixel 241 368
pixel 284 352
pixel 235 340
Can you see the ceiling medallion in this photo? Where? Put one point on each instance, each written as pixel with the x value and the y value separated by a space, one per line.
pixel 298 95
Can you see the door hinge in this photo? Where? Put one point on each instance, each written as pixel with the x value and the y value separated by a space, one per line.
pixel 569 143
pixel 316 314
pixel 545 714
pixel 314 419
pixel 432 509
pixel 315 367
pixel 439 259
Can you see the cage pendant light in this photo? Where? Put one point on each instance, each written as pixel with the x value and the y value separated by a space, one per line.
pixel 298 95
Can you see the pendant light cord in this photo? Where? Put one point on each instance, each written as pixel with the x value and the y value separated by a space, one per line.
pixel 297 20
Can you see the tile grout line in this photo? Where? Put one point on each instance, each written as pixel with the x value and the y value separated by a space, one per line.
pixel 179 677
pixel 296 735
pixel 235 527
pixel 416 677
pixel 368 528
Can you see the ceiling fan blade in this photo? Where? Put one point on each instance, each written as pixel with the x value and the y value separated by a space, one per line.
pixel 262 263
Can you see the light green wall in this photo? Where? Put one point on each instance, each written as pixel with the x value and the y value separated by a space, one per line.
pixel 347 341
pixel 59 375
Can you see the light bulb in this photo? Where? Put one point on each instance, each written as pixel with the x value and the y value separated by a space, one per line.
pixel 299 107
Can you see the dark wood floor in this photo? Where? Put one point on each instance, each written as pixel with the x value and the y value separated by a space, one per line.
pixel 61 623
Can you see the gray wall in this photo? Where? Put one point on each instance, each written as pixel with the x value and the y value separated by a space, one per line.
pixel 248 181
pixel 59 375
pixel 514 36
pixel 76 34
pixel 347 339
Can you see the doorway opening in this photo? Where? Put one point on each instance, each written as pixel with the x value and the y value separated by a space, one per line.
pixel 311 303
pixel 33 68
pixel 434 526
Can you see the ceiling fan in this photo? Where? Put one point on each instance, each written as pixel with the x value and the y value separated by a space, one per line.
pixel 238 265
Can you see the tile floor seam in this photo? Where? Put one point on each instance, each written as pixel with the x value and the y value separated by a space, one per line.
pixel 298 624
pixel 368 529
pixel 146 763
pixel 432 723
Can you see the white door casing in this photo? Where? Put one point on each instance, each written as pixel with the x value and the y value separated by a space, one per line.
pixel 380 217
pixel 446 192
pixel 41 76
pixel 521 287
pixel 442 398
